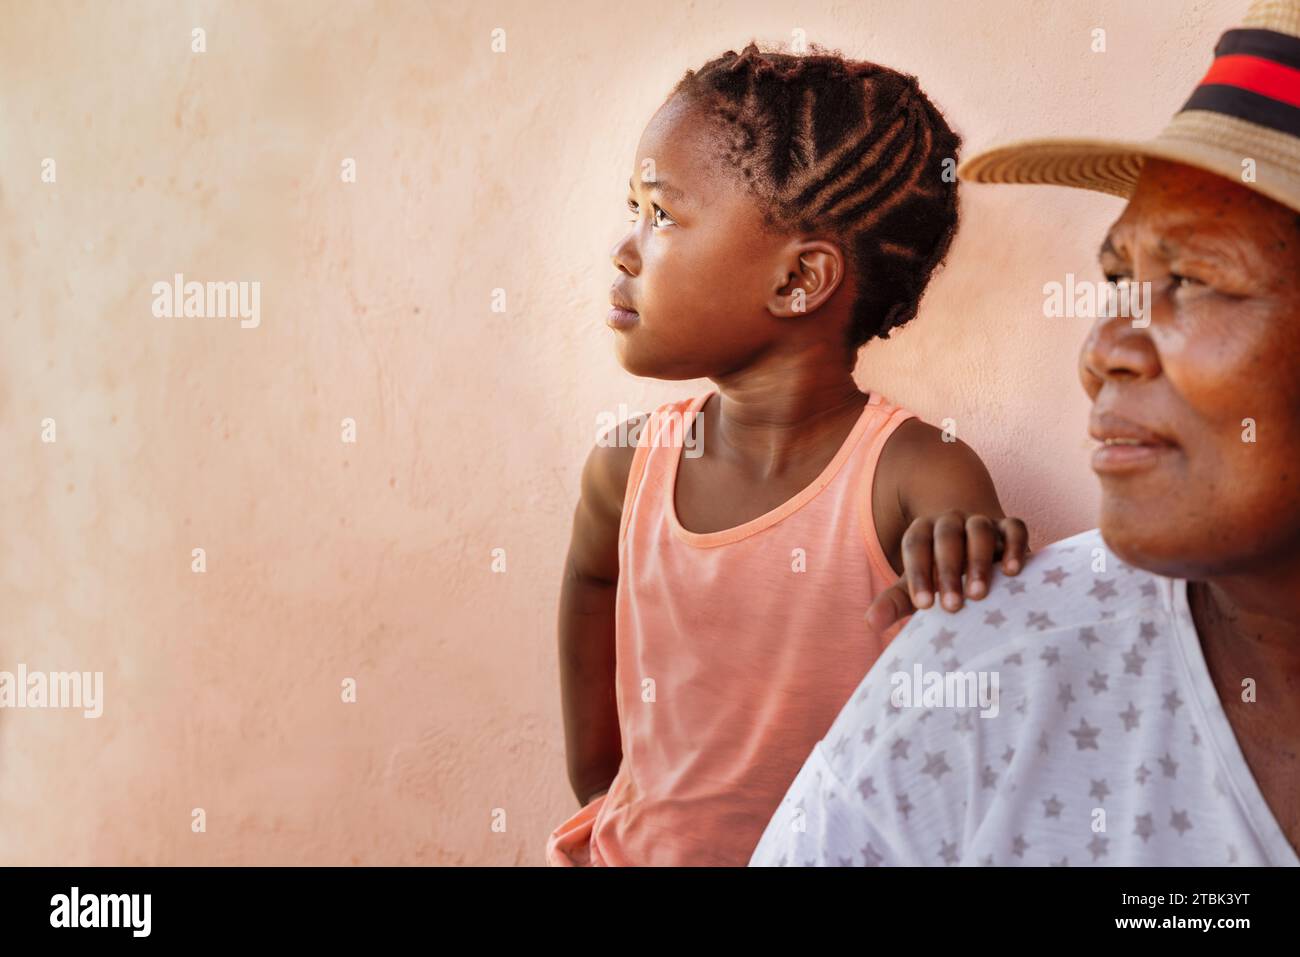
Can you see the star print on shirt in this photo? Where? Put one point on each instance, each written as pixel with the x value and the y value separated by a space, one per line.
pixel 1085 736
pixel 1097 693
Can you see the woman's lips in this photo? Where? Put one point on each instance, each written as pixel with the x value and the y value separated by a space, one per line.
pixel 1116 457
pixel 619 319
pixel 1125 445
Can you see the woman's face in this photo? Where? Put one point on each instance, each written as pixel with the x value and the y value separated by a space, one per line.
pixel 1203 404
pixel 695 264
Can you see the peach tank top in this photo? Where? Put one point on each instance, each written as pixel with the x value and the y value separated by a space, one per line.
pixel 735 650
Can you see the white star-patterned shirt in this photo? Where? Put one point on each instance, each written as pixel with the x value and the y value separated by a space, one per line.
pixel 1068 718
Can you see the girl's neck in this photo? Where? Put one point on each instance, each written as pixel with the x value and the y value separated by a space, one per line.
pixel 770 417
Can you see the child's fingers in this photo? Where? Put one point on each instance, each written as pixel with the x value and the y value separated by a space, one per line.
pixel 982 541
pixel 1015 545
pixel 890 605
pixel 918 550
pixel 950 557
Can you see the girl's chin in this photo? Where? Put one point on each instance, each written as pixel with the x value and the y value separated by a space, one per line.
pixel 644 356
pixel 636 365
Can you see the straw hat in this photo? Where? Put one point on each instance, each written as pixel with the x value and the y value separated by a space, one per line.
pixel 1246 108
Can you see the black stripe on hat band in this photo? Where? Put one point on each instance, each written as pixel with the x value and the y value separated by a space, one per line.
pixel 1269 44
pixel 1245 105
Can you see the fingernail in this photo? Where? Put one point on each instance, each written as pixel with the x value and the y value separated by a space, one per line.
pixel 923 599
pixel 975 587
pixel 952 601
pixel 1013 566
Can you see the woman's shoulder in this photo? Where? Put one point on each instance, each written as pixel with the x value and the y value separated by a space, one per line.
pixel 1075 588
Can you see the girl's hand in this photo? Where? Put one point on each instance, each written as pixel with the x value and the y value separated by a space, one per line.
pixel 937 551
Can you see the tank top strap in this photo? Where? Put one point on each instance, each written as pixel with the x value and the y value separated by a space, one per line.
pixel 889 418
pixel 649 438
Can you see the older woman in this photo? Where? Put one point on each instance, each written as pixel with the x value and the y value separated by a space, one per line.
pixel 1141 682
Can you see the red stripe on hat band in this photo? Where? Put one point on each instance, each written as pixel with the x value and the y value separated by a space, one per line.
pixel 1257 75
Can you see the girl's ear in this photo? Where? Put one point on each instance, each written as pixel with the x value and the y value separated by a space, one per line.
pixel 808 276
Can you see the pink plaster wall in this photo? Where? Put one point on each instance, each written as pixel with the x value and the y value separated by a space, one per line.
pixel 325 560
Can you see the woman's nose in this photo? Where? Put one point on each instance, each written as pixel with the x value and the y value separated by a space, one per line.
pixel 1117 348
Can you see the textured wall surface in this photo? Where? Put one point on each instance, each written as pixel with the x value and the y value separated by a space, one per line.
pixel 328 560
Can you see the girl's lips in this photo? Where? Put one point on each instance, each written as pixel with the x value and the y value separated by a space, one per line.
pixel 1128 456
pixel 619 319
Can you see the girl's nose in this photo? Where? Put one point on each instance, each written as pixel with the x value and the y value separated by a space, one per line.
pixel 624 254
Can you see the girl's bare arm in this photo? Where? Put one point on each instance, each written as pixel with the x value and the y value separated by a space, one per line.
pixel 593 747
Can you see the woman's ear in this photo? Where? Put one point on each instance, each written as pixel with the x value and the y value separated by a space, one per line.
pixel 808 276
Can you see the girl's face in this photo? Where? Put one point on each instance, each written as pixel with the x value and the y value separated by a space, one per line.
pixel 1205 400
pixel 695 265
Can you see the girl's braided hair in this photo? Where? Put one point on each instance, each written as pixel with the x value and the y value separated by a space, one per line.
pixel 845 148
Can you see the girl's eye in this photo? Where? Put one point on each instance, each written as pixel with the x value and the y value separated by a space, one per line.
pixel 1184 282
pixel 658 212
pixel 667 220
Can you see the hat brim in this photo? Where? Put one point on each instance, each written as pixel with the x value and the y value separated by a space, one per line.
pixel 1106 166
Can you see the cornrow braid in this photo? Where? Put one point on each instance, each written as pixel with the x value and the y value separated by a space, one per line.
pixel 845 148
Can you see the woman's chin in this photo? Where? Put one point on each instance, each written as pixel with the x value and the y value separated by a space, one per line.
pixel 1157 548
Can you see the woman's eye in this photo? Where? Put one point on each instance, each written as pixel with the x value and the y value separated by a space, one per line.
pixel 1184 282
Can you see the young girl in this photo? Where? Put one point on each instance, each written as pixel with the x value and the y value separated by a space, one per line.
pixel 786 210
